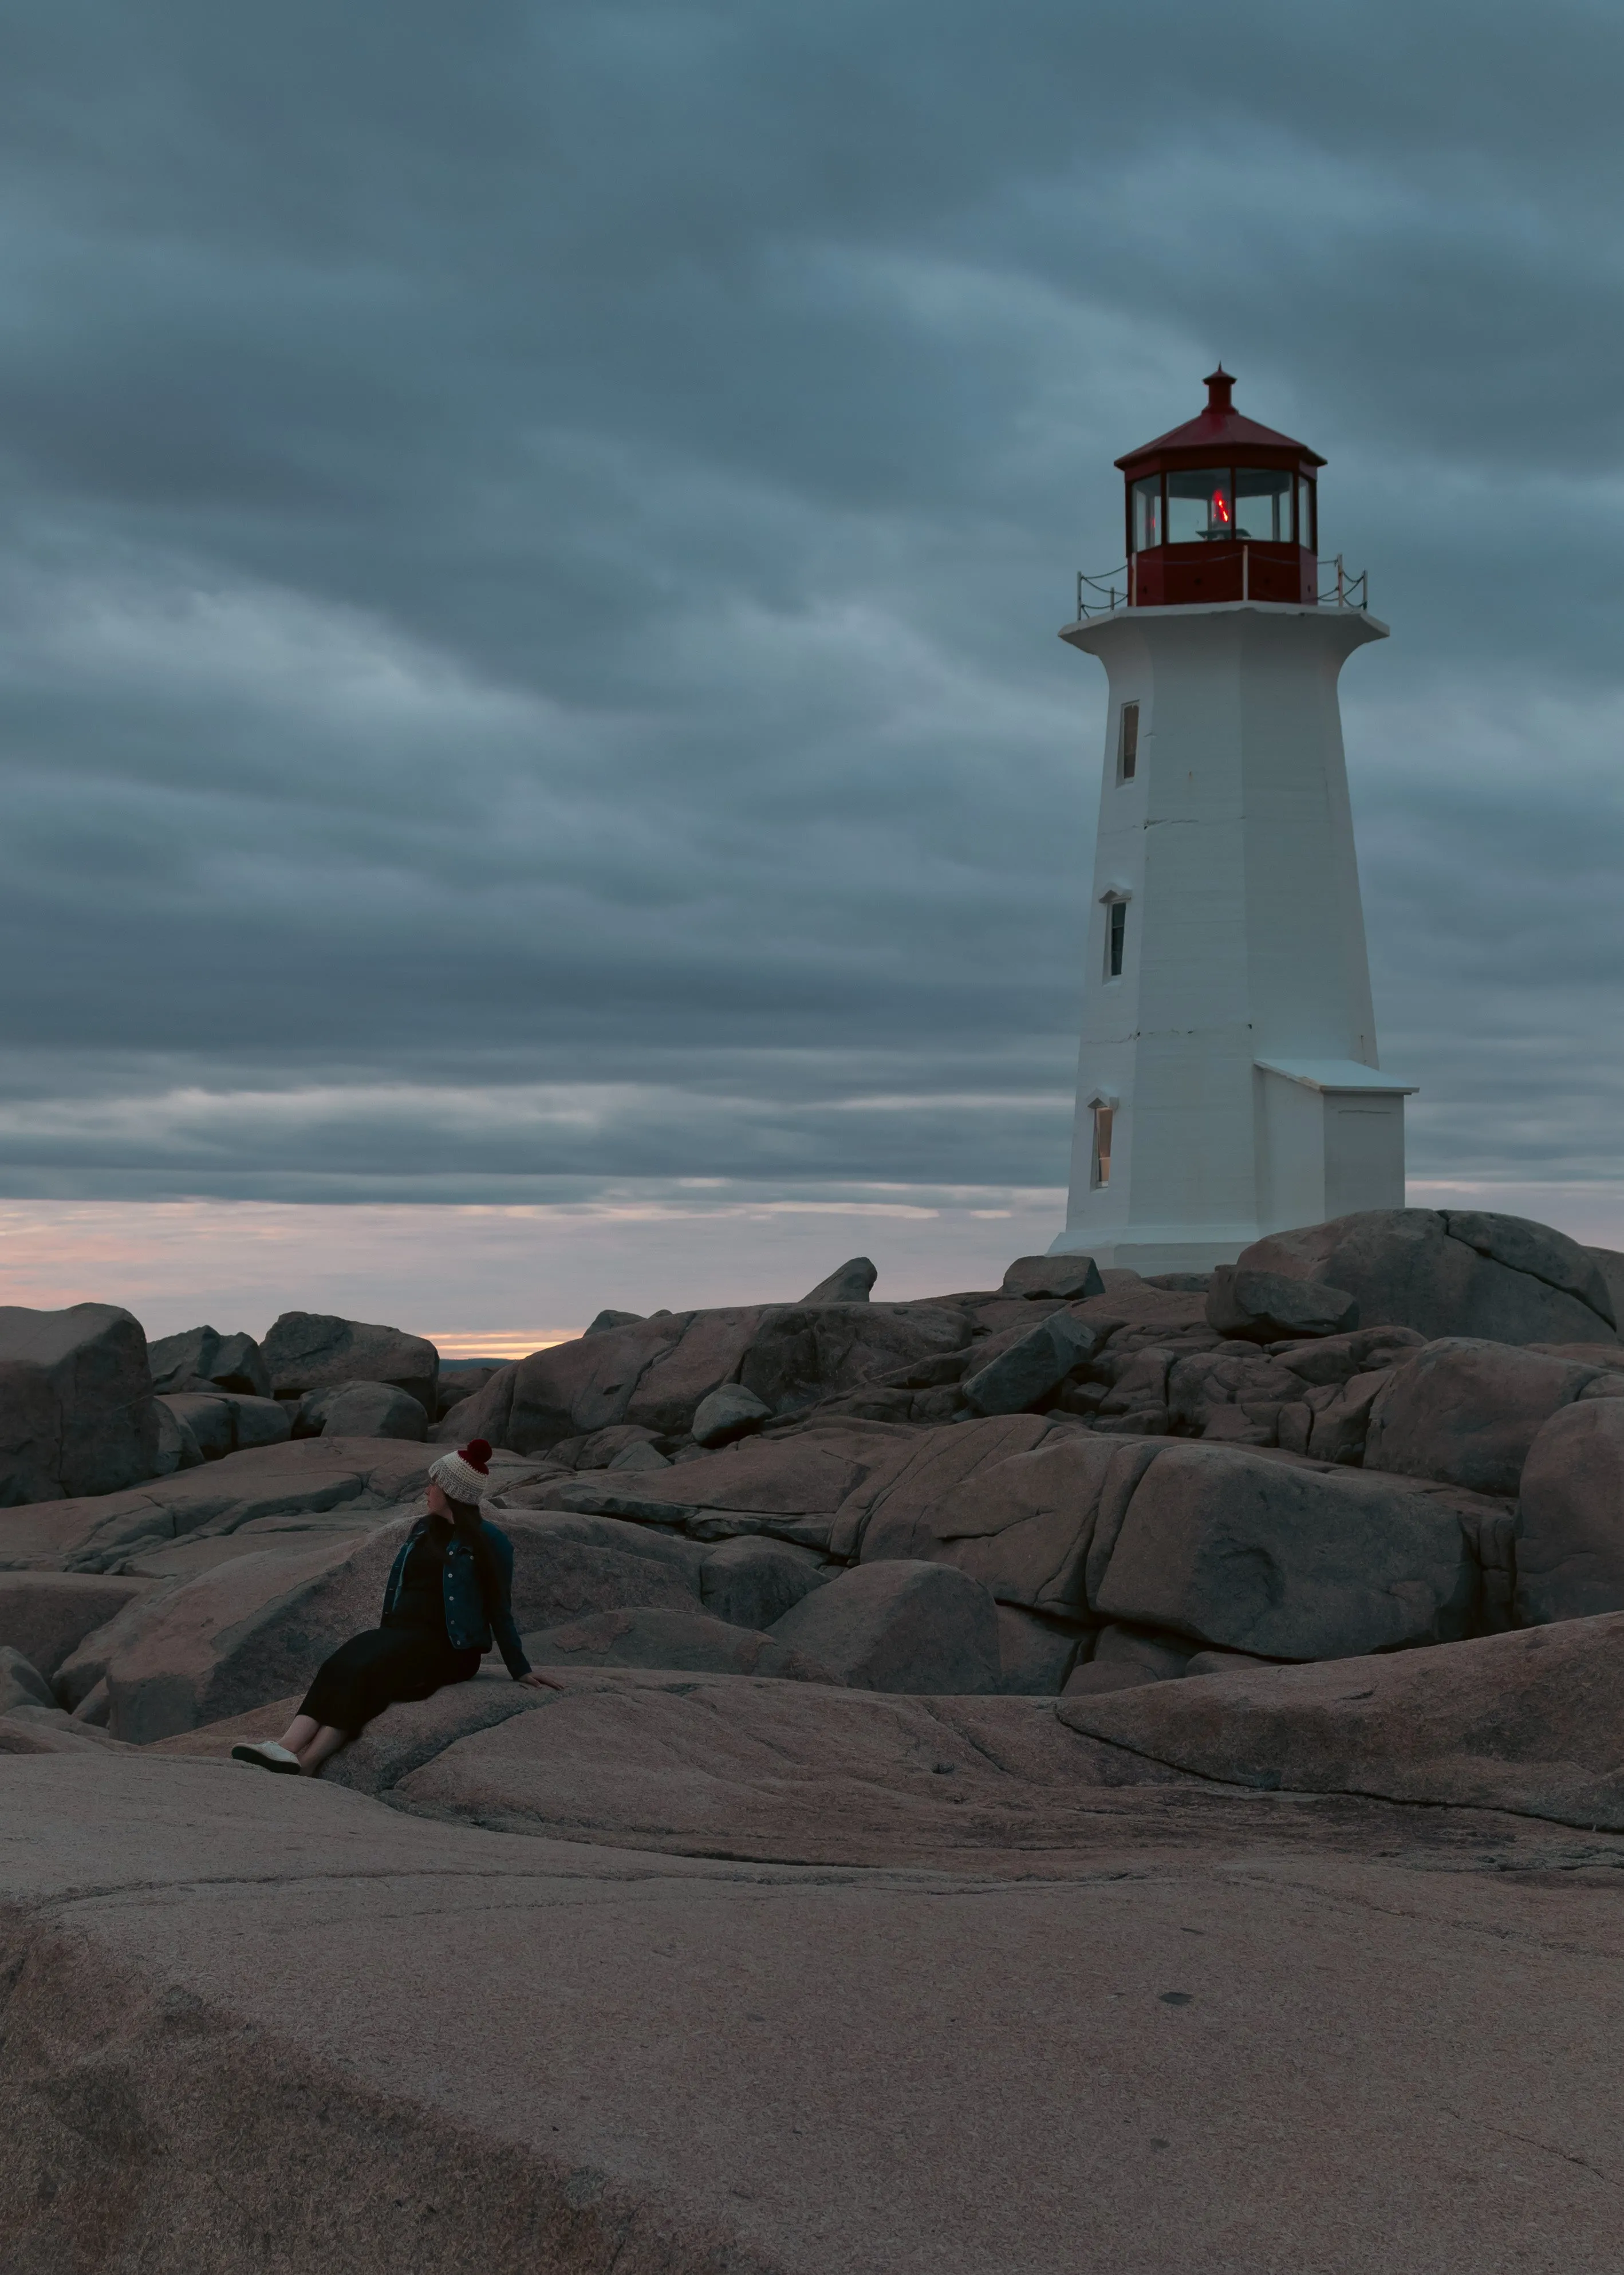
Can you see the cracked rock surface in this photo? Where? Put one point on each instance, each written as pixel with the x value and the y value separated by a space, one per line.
pixel 255 2022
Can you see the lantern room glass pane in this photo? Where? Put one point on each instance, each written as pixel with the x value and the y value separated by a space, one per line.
pixel 1263 504
pixel 1200 507
pixel 1147 513
pixel 1306 532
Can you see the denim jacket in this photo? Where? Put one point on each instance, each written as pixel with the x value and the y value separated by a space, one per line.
pixel 465 1620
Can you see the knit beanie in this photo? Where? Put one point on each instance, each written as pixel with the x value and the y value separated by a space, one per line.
pixel 464 1474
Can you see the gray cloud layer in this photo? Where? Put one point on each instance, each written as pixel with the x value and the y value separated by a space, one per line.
pixel 534 541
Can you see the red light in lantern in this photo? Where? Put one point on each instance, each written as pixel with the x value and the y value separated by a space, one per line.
pixel 1220 507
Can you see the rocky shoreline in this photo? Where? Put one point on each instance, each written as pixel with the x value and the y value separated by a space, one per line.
pixel 1289 1598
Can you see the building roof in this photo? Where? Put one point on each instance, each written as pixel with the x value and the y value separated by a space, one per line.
pixel 1220 432
pixel 1335 1074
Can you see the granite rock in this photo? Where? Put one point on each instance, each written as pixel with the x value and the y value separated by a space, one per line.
pixel 1570 1518
pixel 314 1350
pixel 77 1412
pixel 1450 1272
pixel 901 1625
pixel 853 1284
pixel 1466 1411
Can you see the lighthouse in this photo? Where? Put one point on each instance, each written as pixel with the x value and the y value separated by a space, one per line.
pixel 1228 1083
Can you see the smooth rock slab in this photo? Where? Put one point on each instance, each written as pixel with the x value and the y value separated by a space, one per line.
pixel 1532 1721
pixel 241 2035
pixel 667 1639
pixel 308 1476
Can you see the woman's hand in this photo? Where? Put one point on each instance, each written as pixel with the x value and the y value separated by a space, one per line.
pixel 539 1679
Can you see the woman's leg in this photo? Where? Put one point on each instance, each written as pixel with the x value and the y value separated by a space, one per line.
pixel 321 1749
pixel 299 1733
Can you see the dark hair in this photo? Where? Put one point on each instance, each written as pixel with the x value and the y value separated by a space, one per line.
pixel 468 1526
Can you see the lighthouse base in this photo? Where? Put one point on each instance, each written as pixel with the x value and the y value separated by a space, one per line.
pixel 1152 1249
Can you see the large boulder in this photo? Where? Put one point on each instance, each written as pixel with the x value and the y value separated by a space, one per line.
pixel 1031 1367
pixel 1248 1552
pixel 669 1638
pixel 752 1582
pixel 1570 1518
pixel 1467 1411
pixel 853 1284
pixel 1609 1263
pixel 1070 1278
pixel 222 1423
pixel 726 1414
pixel 1011 1502
pixel 259 1627
pixel 1532 1721
pixel 200 1358
pixel 177 1445
pixel 304 1478
pixel 360 1409
pixel 792 1486
pixel 314 1350
pixel 809 1352
pixel 1450 1272
pixel 918 1628
pixel 77 1413
pixel 1268 1307
pixel 633 1372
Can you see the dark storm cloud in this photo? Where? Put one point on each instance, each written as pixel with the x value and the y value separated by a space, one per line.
pixel 533 541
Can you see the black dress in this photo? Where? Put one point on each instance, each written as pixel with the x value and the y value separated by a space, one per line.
pixel 409 1657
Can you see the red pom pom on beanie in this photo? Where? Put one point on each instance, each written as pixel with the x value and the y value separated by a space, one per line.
pixel 477 1454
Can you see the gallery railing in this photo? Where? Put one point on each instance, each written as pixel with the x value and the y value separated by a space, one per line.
pixel 1112 591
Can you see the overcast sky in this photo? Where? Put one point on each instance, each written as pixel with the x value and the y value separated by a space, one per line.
pixel 534 536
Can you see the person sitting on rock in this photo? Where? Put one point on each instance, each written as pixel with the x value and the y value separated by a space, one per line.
pixel 450 1592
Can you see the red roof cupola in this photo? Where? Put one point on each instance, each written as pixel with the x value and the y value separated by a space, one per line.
pixel 1220 509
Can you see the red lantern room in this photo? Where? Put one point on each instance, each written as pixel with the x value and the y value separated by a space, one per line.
pixel 1220 510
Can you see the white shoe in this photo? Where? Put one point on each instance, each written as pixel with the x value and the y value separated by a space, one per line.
pixel 267 1754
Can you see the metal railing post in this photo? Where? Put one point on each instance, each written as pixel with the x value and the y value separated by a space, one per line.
pixel 1246 566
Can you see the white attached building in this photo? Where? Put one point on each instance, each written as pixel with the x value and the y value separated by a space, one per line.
pixel 1227 1083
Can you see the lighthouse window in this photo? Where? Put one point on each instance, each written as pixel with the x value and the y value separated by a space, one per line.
pixel 1103 1116
pixel 1147 513
pixel 1200 507
pixel 1306 532
pixel 1116 937
pixel 1263 504
pixel 1127 744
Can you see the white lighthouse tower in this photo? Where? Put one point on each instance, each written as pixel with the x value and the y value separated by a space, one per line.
pixel 1227 1083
